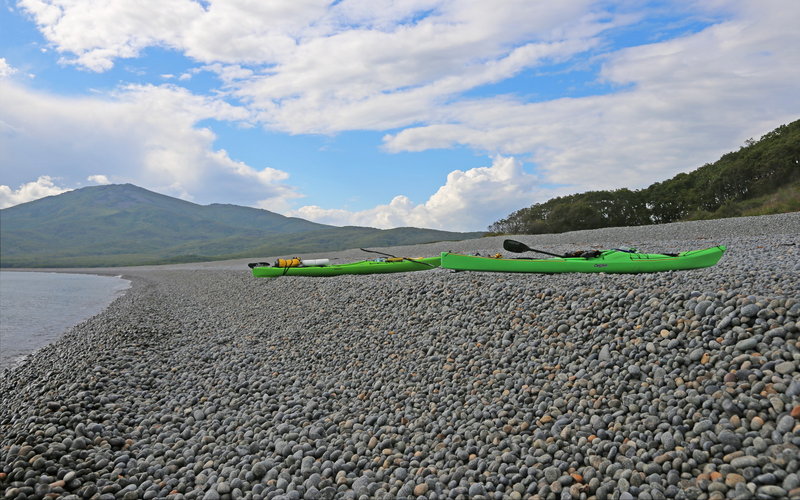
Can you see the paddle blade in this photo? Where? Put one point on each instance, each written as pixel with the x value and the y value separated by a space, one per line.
pixel 515 246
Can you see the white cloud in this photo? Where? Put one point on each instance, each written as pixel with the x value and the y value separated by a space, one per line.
pixel 148 135
pixel 470 200
pixel 681 103
pixel 227 73
pixel 316 66
pixel 278 195
pixel 98 32
pixel 250 31
pixel 6 69
pixel 98 179
pixel 41 187
pixel 370 78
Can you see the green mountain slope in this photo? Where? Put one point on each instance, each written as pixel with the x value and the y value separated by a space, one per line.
pixel 762 178
pixel 128 225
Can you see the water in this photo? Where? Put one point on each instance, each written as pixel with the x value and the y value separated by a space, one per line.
pixel 36 308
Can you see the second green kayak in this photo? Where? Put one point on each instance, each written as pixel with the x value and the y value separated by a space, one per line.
pixel 375 266
pixel 608 261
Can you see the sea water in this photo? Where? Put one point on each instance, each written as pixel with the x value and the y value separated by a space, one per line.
pixel 36 308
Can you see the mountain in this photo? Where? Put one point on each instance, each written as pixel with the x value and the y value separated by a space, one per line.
pixel 123 224
pixel 762 178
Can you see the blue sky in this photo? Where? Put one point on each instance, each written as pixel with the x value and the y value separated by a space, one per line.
pixel 432 113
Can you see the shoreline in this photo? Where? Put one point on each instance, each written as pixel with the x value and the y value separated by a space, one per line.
pixel 204 382
pixel 27 328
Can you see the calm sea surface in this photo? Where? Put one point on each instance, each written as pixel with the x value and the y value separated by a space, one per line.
pixel 36 308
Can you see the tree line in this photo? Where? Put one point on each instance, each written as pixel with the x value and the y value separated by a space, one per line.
pixel 714 190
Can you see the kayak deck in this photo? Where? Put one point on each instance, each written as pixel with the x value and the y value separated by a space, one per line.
pixel 609 261
pixel 362 267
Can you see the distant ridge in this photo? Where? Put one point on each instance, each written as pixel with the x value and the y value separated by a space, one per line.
pixel 123 224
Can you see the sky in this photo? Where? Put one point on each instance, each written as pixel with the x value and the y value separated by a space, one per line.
pixel 446 114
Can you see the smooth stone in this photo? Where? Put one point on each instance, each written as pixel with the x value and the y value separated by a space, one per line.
pixel 750 310
pixel 476 489
pixel 745 461
pixel 746 344
pixel 772 490
pixel 785 424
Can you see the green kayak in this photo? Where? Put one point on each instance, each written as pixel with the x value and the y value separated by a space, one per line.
pixel 607 261
pixel 375 266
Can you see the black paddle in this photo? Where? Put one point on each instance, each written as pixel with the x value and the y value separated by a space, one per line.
pixel 519 247
pixel 394 257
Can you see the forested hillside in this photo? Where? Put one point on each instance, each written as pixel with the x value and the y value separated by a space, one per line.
pixel 763 177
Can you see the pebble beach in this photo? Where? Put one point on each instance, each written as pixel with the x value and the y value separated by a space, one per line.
pixel 203 382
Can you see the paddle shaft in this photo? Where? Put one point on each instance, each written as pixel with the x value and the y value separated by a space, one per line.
pixel 522 247
pixel 394 257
